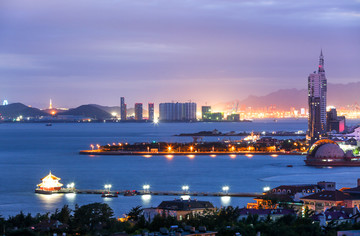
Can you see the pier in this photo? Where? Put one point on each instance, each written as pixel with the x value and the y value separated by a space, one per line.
pixel 144 192
pixel 149 154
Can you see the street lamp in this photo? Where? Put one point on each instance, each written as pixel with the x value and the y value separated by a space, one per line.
pixel 92 147
pixel 71 185
pixel 185 188
pixel 98 146
pixel 225 189
pixel 191 148
pixel 146 188
pixel 266 189
pixel 108 186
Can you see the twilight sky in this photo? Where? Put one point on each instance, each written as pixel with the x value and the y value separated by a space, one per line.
pixel 94 51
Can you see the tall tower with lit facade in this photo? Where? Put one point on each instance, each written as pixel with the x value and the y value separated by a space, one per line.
pixel 317 88
pixel 122 109
pixel 151 111
pixel 138 111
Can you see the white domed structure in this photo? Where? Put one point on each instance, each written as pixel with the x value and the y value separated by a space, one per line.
pixel 329 150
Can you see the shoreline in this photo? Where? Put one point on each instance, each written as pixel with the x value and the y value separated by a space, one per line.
pixel 136 153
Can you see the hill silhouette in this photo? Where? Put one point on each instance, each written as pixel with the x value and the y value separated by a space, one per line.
pixel 14 110
pixel 338 95
pixel 90 111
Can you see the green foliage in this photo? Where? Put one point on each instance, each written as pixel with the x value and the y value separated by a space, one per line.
pixel 93 216
pixel 135 213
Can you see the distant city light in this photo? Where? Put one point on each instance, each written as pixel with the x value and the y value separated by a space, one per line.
pixel 225 189
pixel 266 189
pixel 114 114
pixel 5 102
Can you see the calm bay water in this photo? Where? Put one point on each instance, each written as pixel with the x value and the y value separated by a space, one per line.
pixel 29 151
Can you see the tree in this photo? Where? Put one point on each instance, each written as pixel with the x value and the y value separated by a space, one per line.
pixel 93 216
pixel 63 216
pixel 135 213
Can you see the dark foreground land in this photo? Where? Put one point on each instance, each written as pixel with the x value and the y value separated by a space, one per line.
pixel 98 219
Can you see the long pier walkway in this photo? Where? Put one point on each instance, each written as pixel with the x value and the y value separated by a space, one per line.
pixel 144 192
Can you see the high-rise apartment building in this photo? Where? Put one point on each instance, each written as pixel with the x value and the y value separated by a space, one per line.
pixel 177 111
pixel 122 108
pixel 317 88
pixel 204 111
pixel 151 111
pixel 138 111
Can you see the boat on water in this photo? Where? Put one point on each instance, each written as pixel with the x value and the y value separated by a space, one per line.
pixel 131 193
pixel 326 152
pixel 109 195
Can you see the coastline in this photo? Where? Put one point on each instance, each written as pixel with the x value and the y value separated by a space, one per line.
pixel 130 153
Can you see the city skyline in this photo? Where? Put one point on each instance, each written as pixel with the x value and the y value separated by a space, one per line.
pixel 164 51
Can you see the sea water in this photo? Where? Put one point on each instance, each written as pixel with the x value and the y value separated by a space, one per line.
pixel 29 151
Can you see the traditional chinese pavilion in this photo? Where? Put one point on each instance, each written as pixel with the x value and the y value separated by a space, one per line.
pixel 50 183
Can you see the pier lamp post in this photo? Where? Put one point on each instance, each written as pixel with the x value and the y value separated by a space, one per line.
pixel 146 188
pixel 169 148
pixel 98 146
pixel 185 188
pixel 108 186
pixel 191 148
pixel 72 185
pixel 92 147
pixel 225 189
pixel 266 189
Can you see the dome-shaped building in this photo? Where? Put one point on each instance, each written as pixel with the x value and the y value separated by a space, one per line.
pixel 329 150
pixel 326 152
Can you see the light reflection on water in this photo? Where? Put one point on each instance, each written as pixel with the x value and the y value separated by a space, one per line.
pixel 146 199
pixel 225 200
pixel 71 197
pixel 49 201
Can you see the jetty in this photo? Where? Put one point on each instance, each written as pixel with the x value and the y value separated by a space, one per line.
pixel 144 192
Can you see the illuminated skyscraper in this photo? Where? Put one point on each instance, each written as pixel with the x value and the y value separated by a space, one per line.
pixel 317 88
pixel 122 108
pixel 151 111
pixel 138 111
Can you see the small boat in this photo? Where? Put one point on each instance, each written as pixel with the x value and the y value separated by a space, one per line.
pixel 289 166
pixel 109 195
pixel 48 124
pixel 130 193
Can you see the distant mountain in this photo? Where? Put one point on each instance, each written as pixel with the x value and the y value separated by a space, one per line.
pixel 108 109
pixel 339 95
pixel 90 111
pixel 18 109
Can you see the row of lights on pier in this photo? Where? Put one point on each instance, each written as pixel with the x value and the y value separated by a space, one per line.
pixel 185 188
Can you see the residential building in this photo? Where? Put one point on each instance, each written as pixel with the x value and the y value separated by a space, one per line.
pixel 204 111
pixel 213 116
pixel 233 117
pixel 151 111
pixel 337 215
pixel 181 209
pixel 319 202
pixel 122 109
pixel 335 122
pixel 138 111
pixel 317 89
pixel 177 111
pixel 264 214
